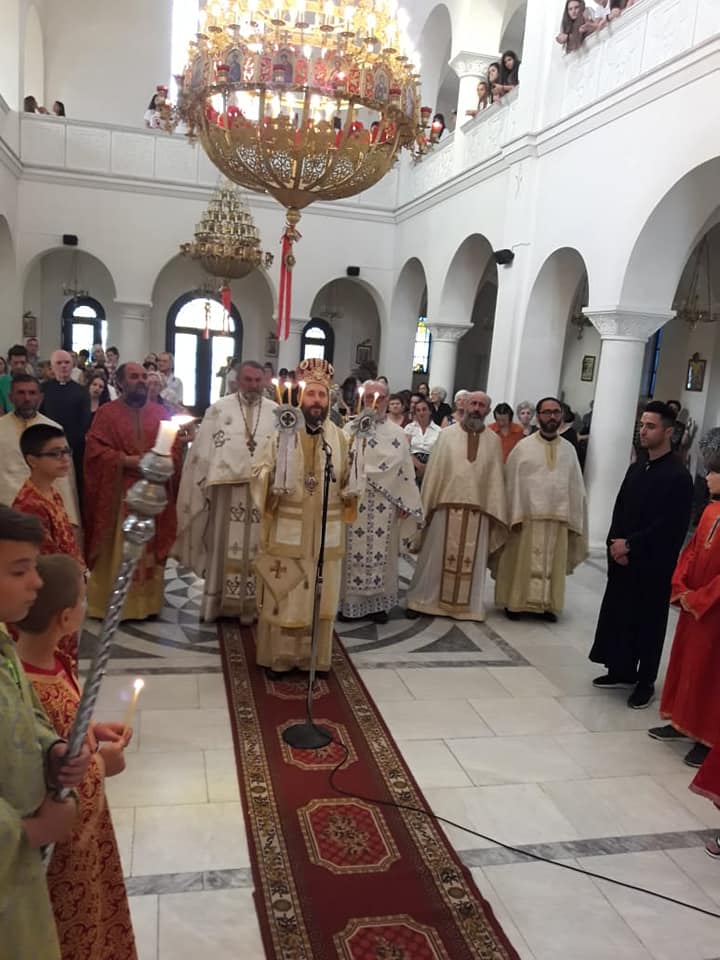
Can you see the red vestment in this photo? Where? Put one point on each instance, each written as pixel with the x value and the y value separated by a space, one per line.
pixel 117 431
pixel 691 695
pixel 84 876
pixel 707 779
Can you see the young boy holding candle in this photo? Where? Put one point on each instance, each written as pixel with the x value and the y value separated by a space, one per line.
pixel 94 921
pixel 31 763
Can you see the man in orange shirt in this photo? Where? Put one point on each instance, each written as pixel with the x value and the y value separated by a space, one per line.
pixel 510 433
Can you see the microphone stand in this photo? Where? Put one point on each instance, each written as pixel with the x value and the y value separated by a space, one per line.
pixel 308 736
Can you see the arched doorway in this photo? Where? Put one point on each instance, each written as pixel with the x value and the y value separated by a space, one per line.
pixel 318 341
pixel 349 311
pixel 409 303
pixel 202 338
pixel 83 324
pixel 439 83
pixel 8 304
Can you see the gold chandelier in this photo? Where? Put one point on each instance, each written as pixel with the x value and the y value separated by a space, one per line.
pixel 226 241
pixel 697 305
pixel 302 99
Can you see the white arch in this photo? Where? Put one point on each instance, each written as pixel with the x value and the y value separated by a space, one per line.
pixel 553 295
pixel 357 304
pixel 668 237
pixel 10 52
pixel 434 47
pixel 462 280
pixel 398 340
pixel 9 312
pixel 34 57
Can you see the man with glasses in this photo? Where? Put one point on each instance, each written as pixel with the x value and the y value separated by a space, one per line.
pixel 26 397
pixel 548 534
pixel 68 403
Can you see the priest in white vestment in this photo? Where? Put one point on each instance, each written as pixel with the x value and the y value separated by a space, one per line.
pixel 218 524
pixel 26 398
pixel 548 520
pixel 463 495
pixel 389 512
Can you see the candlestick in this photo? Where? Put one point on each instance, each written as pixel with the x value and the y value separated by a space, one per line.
pixel 361 391
pixel 276 383
pixel 166 437
pixel 288 387
pixel 302 386
pixel 137 687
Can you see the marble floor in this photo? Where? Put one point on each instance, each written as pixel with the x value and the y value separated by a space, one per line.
pixel 504 733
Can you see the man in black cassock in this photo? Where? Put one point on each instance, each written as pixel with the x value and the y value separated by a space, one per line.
pixel 649 524
pixel 68 403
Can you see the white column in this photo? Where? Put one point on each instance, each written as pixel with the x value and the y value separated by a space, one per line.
pixel 129 329
pixel 624 336
pixel 289 350
pixel 443 355
pixel 469 67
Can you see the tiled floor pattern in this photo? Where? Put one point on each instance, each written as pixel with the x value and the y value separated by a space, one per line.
pixel 505 735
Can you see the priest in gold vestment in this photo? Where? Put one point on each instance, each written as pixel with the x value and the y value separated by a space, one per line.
pixel 548 520
pixel 463 495
pixel 288 488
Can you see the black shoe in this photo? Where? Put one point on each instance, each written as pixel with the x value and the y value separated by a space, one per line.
pixel 343 619
pixel 381 617
pixel 609 682
pixel 642 696
pixel 666 733
pixel 277 674
pixel 549 616
pixel 412 614
pixel 697 756
pixel 512 615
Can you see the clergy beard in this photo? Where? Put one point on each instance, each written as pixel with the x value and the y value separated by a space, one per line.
pixel 250 397
pixel 136 398
pixel 474 422
pixel 314 416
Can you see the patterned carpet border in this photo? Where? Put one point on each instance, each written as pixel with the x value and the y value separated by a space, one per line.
pixel 423 904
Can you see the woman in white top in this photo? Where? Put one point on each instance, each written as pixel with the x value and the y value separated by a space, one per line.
pixel 422 434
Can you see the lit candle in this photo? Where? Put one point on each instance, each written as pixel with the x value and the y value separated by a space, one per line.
pixel 375 400
pixel 276 383
pixel 137 687
pixel 302 386
pixel 166 437
pixel 288 387
pixel 361 391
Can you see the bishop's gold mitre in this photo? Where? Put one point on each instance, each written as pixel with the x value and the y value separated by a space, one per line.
pixel 316 371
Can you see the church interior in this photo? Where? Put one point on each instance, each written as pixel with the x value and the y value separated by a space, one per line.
pixel 561 241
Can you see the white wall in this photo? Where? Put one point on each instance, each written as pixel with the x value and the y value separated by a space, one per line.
pixel 576 392
pixel 104 59
pixel 34 58
pixel 359 322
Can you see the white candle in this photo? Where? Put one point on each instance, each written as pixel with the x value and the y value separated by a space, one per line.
pixel 361 391
pixel 137 687
pixel 166 438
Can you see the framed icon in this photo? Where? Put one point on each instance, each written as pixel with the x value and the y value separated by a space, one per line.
pixel 695 373
pixel 363 353
pixel 271 346
pixel 588 368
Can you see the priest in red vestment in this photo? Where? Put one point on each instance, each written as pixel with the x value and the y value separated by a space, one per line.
pixel 122 432
pixel 691 695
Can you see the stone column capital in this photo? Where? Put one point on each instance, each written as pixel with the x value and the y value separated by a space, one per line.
pixel 617 323
pixel 444 333
pixel 134 309
pixel 469 64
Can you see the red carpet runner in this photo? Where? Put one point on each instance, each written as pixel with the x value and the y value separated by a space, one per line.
pixel 337 878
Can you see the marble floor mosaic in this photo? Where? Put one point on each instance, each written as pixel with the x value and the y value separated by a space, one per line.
pixel 505 734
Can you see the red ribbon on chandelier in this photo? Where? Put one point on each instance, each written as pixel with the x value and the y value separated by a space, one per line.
pixel 286 267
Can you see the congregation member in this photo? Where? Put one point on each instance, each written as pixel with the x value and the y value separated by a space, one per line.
pixel 98 392
pixel 464 501
pixel 32 345
pixel 84 874
pixel 173 391
pixel 525 413
pixel 122 432
pixel 17 363
pixel 707 784
pixel 26 397
pixel 68 403
pixel 218 524
pixel 396 411
pixel 509 72
pixel 458 409
pixel 496 86
pixel 691 694
pixel 288 487
pixel 510 433
pixel 567 428
pixel 577 24
pixel 548 527
pixel 32 762
pixel 440 408
pixel 422 435
pixel 389 497
pixel 648 526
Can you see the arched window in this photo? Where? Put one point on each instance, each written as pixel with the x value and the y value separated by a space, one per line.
pixel 83 324
pixel 202 338
pixel 423 343
pixel 318 341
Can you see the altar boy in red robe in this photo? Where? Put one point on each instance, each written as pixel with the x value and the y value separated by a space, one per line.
pixel 691 695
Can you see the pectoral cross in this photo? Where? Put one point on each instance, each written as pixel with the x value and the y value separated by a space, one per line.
pixel 278 569
pixel 252 446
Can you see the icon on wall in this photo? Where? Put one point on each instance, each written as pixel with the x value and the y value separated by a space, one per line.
pixel 29 324
pixel 588 368
pixel 363 353
pixel 271 346
pixel 695 373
